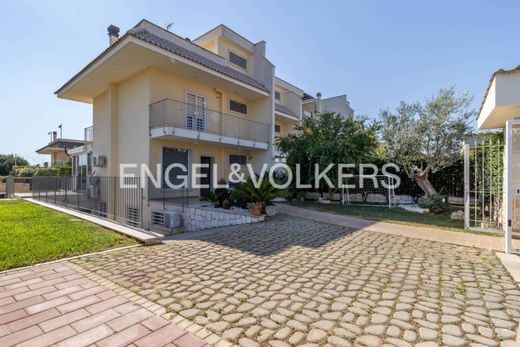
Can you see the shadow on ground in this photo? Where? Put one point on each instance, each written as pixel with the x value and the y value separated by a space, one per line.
pixel 270 237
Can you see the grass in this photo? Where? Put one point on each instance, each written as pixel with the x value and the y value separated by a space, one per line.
pixel 31 234
pixel 393 215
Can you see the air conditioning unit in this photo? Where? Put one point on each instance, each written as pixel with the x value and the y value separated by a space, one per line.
pixel 99 160
pixel 172 219
pixel 167 219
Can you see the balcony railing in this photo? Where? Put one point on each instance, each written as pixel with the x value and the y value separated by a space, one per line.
pixel 171 113
pixel 88 134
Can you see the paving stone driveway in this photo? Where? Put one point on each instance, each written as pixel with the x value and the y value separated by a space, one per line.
pixel 291 281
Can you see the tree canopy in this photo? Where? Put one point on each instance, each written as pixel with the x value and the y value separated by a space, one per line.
pixel 8 161
pixel 328 138
pixel 422 137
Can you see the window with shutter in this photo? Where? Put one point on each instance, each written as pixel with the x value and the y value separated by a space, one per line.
pixel 195 112
pixel 238 60
pixel 236 106
pixel 237 159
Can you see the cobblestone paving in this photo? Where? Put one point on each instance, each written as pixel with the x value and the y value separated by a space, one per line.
pixel 291 281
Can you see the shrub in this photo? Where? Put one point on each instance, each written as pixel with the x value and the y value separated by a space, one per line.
pixel 30 171
pixel 435 204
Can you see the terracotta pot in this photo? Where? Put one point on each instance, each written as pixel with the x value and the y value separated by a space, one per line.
pixel 256 211
pixel 226 204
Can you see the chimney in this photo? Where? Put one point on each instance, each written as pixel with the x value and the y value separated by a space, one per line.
pixel 113 34
pixel 318 102
pixel 54 135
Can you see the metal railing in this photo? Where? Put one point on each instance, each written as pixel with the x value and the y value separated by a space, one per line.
pixel 173 113
pixel 102 196
pixel 88 134
pixel 166 196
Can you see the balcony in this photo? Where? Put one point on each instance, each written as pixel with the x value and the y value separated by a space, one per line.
pixel 172 118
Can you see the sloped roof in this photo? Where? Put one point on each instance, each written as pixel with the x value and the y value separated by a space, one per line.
pixel 307 97
pixel 61 144
pixel 284 109
pixel 146 36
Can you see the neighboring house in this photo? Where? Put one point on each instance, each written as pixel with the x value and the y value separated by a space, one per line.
pixel 500 108
pixel 336 104
pixel 58 149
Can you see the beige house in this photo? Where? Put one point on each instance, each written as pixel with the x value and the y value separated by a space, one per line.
pixel 500 108
pixel 158 98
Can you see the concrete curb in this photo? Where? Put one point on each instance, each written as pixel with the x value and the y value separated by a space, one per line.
pixel 146 238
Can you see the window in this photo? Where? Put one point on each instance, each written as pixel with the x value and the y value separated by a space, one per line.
pixel 238 60
pixel 237 159
pixel 277 95
pixel 195 112
pixel 277 128
pixel 236 106
pixel 175 156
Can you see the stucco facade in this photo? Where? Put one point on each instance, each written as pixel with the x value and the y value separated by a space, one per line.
pixel 214 98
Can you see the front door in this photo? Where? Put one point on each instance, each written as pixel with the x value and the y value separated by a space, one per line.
pixel 205 171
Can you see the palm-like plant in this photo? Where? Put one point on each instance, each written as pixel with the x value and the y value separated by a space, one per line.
pixel 263 194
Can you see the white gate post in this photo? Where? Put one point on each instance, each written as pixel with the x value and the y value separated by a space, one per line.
pixel 508 168
pixel 466 185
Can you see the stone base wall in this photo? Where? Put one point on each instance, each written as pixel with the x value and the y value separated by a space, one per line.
pixel 199 218
pixel 376 198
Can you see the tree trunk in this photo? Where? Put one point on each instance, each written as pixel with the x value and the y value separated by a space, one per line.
pixel 422 181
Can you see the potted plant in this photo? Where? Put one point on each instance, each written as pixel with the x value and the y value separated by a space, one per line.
pixel 263 194
pixel 255 209
pixel 226 204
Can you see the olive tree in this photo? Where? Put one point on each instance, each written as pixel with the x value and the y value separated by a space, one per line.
pixel 422 137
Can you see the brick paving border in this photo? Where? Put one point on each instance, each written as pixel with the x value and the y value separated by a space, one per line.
pixel 62 304
pixel 177 319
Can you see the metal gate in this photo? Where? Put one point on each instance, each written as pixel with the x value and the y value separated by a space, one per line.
pixel 483 183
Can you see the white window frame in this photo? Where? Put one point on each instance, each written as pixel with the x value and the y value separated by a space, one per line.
pixel 204 118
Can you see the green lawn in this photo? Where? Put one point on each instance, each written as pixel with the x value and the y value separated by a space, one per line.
pixel 31 234
pixel 393 215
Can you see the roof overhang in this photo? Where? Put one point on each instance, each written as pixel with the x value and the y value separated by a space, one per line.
pixel 50 150
pixel 130 55
pixel 59 145
pixel 501 101
pixel 290 87
pixel 286 116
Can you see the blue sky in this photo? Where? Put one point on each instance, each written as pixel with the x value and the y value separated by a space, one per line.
pixel 376 52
